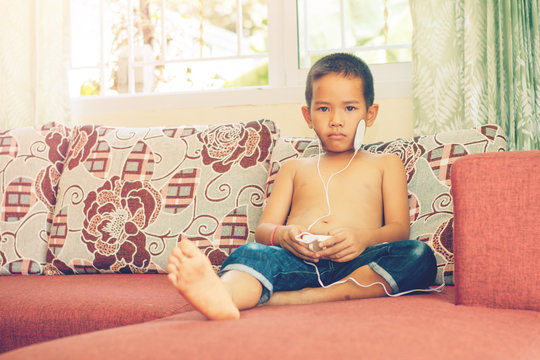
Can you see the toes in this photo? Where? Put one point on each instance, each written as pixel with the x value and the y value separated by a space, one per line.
pixel 172 269
pixel 173 260
pixel 177 253
pixel 188 248
pixel 172 278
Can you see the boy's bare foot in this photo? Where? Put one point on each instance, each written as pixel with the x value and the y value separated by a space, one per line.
pixel 192 274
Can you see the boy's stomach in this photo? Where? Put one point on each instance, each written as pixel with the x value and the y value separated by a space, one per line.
pixel 326 224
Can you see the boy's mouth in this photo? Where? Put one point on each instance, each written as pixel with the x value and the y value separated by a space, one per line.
pixel 336 136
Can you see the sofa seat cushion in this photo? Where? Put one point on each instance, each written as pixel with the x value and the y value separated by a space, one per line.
pixel 128 195
pixel 427 326
pixel 39 308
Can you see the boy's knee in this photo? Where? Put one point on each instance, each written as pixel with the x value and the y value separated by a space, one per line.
pixel 420 251
pixel 422 255
pixel 414 248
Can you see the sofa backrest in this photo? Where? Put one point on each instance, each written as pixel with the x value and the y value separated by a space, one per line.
pixel 126 196
pixel 109 199
pixel 428 161
pixel 31 161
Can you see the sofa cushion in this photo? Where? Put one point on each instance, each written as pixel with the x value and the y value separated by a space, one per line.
pixel 428 161
pixel 41 308
pixel 420 327
pixel 496 203
pixel 31 161
pixel 127 196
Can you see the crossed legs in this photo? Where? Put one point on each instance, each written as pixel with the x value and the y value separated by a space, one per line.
pixel 221 298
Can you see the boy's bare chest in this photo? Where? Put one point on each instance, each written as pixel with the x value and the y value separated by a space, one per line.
pixel 355 193
pixel 357 180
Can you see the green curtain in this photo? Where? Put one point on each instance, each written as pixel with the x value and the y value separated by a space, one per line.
pixel 477 62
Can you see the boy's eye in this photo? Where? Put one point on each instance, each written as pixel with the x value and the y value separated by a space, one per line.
pixel 350 108
pixel 323 108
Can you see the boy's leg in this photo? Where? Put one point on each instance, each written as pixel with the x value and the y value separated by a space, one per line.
pixel 399 266
pixel 192 274
pixel 345 291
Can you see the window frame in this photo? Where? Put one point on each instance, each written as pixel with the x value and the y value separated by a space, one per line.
pixel 286 80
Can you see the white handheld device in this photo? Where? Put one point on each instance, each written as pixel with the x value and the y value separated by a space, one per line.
pixel 312 240
pixel 359 135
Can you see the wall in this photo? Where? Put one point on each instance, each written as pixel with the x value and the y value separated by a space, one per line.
pixel 395 118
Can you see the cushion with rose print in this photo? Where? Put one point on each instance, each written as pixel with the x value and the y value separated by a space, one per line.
pixel 428 161
pixel 127 196
pixel 31 161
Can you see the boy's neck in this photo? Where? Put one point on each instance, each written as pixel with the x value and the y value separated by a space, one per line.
pixel 331 154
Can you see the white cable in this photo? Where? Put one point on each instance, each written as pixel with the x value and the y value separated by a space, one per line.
pixel 438 289
pixel 327 184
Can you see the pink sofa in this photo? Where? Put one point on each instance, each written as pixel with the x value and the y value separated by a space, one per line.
pixel 480 219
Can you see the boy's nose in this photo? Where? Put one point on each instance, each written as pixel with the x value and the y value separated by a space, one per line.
pixel 336 121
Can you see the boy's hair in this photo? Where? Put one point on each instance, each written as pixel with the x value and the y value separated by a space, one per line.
pixel 347 65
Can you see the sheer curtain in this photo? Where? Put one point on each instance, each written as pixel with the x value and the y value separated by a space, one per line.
pixel 34 53
pixel 477 62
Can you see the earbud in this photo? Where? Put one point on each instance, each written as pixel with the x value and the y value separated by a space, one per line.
pixel 359 135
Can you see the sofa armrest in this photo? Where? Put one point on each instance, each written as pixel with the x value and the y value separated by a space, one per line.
pixel 497 229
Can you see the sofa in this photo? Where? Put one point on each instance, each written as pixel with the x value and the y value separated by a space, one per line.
pixel 89 215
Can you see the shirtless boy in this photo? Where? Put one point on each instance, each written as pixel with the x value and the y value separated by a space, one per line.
pixel 368 219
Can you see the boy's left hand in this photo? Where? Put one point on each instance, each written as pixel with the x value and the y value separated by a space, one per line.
pixel 345 244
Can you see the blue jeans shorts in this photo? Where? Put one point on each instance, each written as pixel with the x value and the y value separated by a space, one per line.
pixel 405 265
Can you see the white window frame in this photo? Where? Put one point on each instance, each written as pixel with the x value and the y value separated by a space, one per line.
pixel 286 81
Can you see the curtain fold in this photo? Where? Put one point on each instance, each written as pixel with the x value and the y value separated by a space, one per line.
pixel 477 62
pixel 34 58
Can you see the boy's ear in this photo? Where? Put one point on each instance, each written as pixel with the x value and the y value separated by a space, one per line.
pixel 307 116
pixel 372 112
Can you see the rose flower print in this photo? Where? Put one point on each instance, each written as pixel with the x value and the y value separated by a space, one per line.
pixel 116 215
pixel 227 145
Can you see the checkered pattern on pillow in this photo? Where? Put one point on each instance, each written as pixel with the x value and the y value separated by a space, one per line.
pixel 127 196
pixel 31 161
pixel 428 161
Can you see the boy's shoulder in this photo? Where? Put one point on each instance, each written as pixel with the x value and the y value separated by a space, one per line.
pixel 379 156
pixel 382 159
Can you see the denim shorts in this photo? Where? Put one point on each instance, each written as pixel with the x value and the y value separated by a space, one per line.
pixel 405 265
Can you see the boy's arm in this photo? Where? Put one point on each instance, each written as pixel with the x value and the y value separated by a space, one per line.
pixel 276 212
pixel 395 203
pixel 348 243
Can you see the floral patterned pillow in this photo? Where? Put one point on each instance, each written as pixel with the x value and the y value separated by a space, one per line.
pixel 428 161
pixel 127 196
pixel 31 161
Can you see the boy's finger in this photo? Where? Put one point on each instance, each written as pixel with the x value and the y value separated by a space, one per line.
pixel 305 253
pixel 331 250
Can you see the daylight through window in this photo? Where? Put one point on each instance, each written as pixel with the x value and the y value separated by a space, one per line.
pixel 155 46
pixel 166 46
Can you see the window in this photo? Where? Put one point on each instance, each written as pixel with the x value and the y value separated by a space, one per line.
pixel 379 32
pixel 171 47
pixel 156 46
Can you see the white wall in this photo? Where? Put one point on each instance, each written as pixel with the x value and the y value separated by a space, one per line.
pixel 395 118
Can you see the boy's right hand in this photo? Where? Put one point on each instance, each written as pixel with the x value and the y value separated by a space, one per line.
pixel 286 236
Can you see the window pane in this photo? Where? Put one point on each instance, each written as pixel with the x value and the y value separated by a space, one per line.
pixel 212 74
pixel 84 83
pixel 378 31
pixel 167 44
pixel 85 38
pixel 255 26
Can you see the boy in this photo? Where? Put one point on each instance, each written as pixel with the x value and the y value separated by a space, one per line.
pixel 359 199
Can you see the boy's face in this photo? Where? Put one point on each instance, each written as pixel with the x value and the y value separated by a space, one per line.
pixel 337 106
